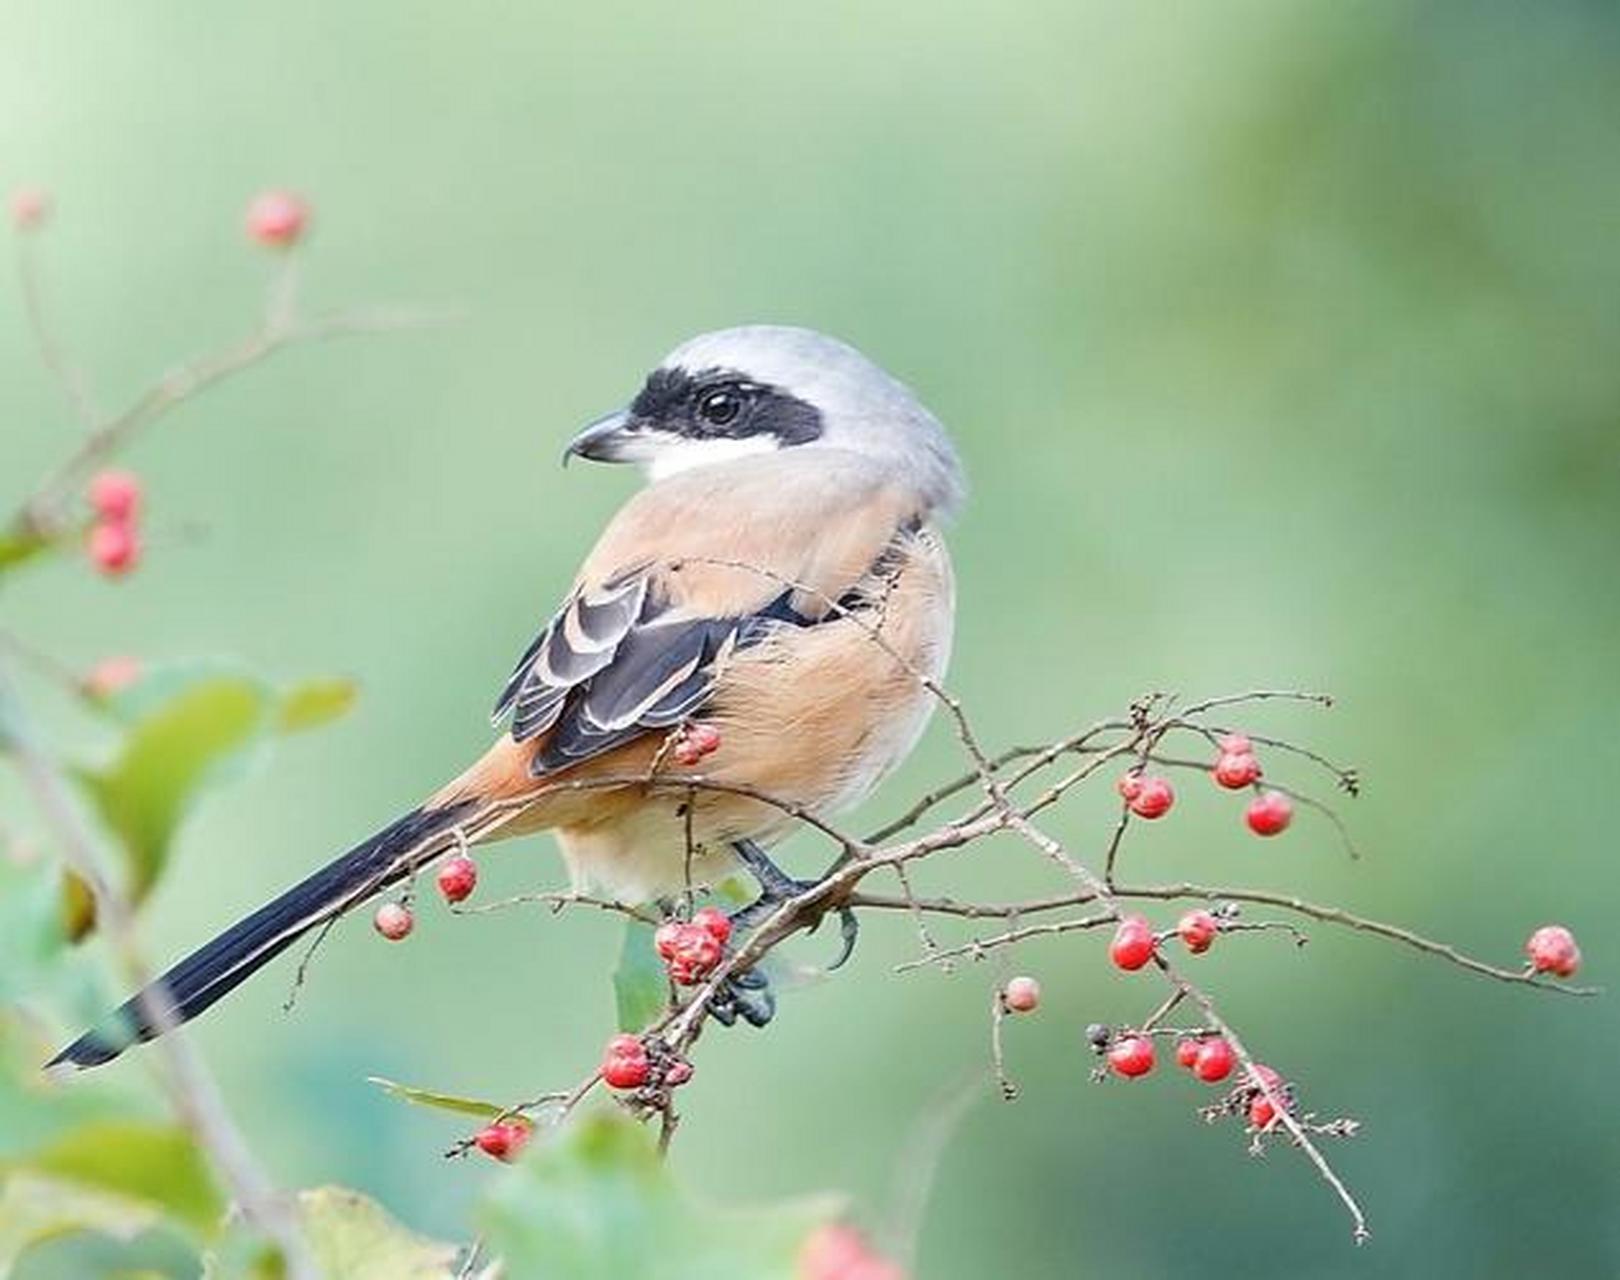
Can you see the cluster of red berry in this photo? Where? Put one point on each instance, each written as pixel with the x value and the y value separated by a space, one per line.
pixel 693 742
pixel 1135 942
pixel 1209 1057
pixel 457 878
pixel 114 541
pixel 1150 795
pixel 691 949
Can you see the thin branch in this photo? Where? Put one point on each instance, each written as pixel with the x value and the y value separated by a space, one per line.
pixel 980 947
pixel 69 377
pixel 42 511
pixel 1362 924
pixel 1302 1139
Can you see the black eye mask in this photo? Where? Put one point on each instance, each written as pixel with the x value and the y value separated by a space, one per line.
pixel 719 404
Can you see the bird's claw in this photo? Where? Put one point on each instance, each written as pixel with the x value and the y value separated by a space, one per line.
pixel 746 995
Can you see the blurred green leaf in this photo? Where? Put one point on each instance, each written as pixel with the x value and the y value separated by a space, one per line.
pixel 19 546
pixel 355 1239
pixel 640 987
pixel 599 1204
pixel 36 1111
pixel 443 1101
pixel 314 703
pixel 155 1164
pixel 168 757
pixel 243 1257
pixel 35 1209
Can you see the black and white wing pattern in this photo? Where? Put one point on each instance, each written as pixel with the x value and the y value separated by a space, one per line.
pixel 615 662
pixel 578 642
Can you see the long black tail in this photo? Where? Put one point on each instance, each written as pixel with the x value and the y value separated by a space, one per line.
pixel 217 968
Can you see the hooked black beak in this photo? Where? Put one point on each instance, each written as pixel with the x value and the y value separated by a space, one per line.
pixel 600 441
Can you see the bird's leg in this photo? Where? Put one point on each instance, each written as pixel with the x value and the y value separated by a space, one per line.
pixel 777 887
pixel 748 994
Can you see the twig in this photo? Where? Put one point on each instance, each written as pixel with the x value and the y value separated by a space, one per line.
pixel 69 377
pixel 42 511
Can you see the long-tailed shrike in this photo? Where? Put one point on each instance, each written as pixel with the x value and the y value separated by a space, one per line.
pixel 781 576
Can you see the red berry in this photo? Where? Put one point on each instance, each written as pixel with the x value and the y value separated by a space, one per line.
pixel 394 921
pixel 678 1073
pixel 110 675
pixel 1021 995
pixel 1552 949
pixel 502 1141
pixel 1261 1072
pixel 1235 744
pixel 685 754
pixel 839 1252
pixel 1129 786
pixel 457 878
pixel 115 547
pixel 705 737
pixel 1133 943
pixel 715 921
pixel 1234 772
pixel 277 218
pixel 1214 1060
pixel 1262 1111
pixel 30 206
pixel 625 1065
pixel 1153 798
pixel 695 741
pixel 693 953
pixel 1187 1052
pixel 1269 813
pixel 115 495
pixel 1197 929
pixel 665 937
pixel 1132 1056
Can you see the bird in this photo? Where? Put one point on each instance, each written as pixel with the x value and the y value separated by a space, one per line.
pixel 781 579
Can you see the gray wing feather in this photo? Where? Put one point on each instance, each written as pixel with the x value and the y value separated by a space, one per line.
pixel 611 665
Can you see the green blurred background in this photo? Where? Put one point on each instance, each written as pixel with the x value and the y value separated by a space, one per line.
pixel 1280 340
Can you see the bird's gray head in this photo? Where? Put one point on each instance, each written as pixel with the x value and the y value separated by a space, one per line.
pixel 763 388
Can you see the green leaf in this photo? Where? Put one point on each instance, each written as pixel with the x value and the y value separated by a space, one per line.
pixel 169 756
pixel 18 546
pixel 443 1101
pixel 640 987
pixel 158 1165
pixel 600 1205
pixel 35 1209
pixel 315 702
pixel 35 1111
pixel 355 1239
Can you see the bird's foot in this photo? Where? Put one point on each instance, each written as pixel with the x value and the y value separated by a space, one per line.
pixel 744 995
pixel 777 887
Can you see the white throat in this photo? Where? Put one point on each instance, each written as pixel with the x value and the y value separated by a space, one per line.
pixel 674 456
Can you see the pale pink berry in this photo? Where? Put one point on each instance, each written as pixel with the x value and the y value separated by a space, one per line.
pixel 1021 994
pixel 394 921
pixel 277 218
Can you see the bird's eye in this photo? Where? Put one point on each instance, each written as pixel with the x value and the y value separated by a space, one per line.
pixel 720 407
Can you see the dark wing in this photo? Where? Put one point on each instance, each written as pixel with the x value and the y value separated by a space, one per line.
pixel 577 643
pixel 616 662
